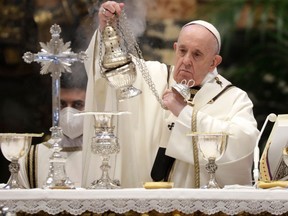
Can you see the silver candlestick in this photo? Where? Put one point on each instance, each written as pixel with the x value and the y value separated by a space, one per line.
pixel 55 57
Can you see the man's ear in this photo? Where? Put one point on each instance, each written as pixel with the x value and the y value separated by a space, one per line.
pixel 217 60
pixel 175 46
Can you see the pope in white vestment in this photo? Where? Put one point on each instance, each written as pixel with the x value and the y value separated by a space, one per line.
pixel 146 129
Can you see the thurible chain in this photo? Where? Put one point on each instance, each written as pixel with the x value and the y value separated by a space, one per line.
pixel 133 48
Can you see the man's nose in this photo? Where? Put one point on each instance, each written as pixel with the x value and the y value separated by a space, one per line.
pixel 65 106
pixel 187 59
pixel 69 105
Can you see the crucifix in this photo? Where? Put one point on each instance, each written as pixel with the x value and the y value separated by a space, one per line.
pixel 56 58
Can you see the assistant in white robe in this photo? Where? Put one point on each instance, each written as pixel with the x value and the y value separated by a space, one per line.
pixel 34 167
pixel 146 128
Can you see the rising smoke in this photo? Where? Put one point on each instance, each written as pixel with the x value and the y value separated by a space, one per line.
pixel 135 11
pixel 136 14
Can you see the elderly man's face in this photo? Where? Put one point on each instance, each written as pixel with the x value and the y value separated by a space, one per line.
pixel 196 54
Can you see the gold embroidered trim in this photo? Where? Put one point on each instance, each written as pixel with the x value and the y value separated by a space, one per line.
pixel 29 164
pixel 71 149
pixel 94 54
pixel 193 91
pixel 195 150
pixel 65 149
pixel 218 81
pixel 220 93
pixel 32 166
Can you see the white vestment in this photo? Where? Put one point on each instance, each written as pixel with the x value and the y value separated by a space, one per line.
pixel 34 167
pixel 146 128
pixel 231 113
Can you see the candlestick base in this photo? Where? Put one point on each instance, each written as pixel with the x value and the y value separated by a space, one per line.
pixel 57 177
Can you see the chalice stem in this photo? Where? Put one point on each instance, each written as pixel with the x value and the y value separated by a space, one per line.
pixel 212 181
pixel 105 167
pixel 13 182
pixel 211 167
pixel 105 182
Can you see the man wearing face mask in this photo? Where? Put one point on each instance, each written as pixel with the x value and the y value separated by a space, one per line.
pixel 34 170
pixel 72 99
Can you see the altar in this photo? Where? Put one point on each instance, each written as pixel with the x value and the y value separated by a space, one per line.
pixel 139 200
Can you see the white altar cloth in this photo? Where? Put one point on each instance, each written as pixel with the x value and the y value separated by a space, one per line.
pixel 229 201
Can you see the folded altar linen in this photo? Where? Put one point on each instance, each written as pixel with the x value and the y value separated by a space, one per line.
pixel 156 185
pixel 272 184
pixel 237 186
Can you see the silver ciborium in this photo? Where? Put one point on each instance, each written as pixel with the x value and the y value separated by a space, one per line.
pixel 117 65
pixel 15 146
pixel 105 144
pixel 211 147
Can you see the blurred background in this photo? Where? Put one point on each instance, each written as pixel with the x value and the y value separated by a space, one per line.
pixel 254 36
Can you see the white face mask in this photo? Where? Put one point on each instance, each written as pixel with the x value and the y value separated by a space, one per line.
pixel 71 125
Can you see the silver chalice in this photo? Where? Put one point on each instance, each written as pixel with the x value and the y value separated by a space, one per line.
pixel 104 143
pixel 211 147
pixel 14 146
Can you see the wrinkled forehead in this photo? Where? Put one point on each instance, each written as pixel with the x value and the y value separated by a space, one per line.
pixel 209 27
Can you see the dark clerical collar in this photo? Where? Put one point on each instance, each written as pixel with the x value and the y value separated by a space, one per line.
pixel 196 87
pixel 193 91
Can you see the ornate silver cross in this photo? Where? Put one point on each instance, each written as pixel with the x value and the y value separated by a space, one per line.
pixel 55 57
